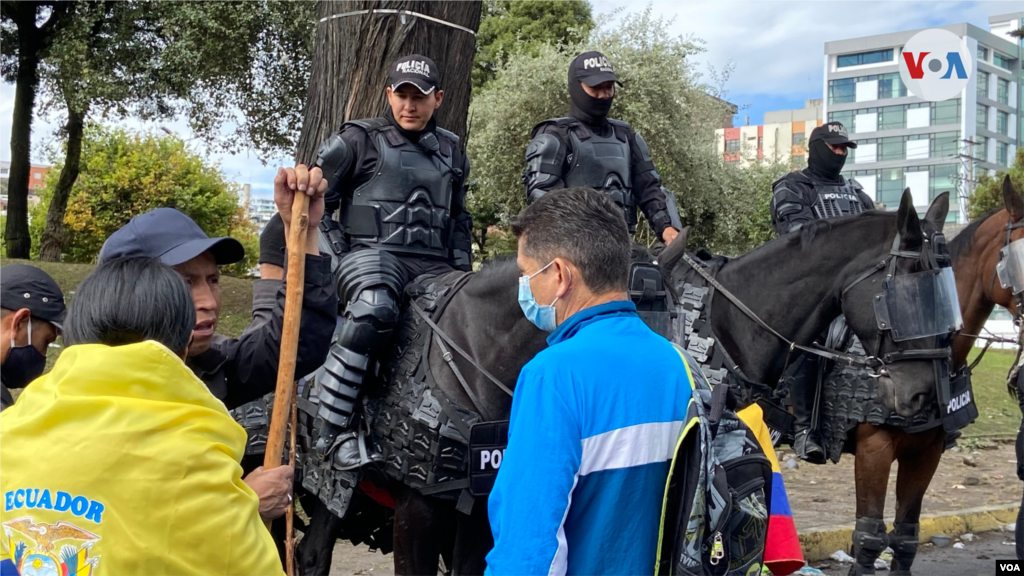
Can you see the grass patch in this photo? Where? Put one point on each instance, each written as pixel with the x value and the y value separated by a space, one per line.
pixel 998 412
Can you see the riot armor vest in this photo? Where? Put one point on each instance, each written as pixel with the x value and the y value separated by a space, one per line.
pixel 836 200
pixel 602 163
pixel 405 206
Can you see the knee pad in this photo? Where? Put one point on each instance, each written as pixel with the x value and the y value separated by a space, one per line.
pixel 365 269
pixel 869 540
pixel 904 540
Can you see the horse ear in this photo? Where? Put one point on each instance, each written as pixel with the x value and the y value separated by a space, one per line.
pixel 670 256
pixel 908 224
pixel 936 214
pixel 1012 200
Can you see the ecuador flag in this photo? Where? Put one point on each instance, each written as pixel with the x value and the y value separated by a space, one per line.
pixel 782 552
pixel 120 461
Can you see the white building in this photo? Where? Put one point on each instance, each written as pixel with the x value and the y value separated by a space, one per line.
pixel 930 147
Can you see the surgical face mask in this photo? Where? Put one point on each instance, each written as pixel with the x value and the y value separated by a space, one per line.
pixel 542 317
pixel 24 363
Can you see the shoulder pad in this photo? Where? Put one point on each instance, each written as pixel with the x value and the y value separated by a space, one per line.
pixel 542 154
pixel 796 177
pixel 369 124
pixel 449 135
pixel 854 184
pixel 560 122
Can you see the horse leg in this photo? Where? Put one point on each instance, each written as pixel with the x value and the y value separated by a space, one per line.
pixel 873 460
pixel 473 540
pixel 918 459
pixel 315 550
pixel 422 526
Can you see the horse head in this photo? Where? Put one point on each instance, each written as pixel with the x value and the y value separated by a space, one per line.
pixel 799 283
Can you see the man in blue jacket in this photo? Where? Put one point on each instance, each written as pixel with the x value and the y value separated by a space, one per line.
pixel 595 416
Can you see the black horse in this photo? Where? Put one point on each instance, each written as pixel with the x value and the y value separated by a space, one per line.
pixel 795 283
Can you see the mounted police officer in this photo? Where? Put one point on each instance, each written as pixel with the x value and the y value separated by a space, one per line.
pixel 587 148
pixel 399 182
pixel 816 192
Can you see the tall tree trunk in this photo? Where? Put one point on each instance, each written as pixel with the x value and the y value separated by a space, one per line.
pixel 16 236
pixel 353 53
pixel 52 245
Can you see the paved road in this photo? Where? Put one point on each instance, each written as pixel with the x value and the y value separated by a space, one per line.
pixel 977 558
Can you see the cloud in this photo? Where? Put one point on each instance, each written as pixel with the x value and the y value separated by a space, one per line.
pixel 778 47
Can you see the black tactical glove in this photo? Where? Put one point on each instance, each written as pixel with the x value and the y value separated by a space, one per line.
pixel 272 245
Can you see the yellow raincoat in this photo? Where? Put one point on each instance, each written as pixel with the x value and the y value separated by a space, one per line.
pixel 121 462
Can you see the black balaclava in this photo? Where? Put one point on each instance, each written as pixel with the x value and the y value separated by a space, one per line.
pixel 583 106
pixel 411 135
pixel 824 163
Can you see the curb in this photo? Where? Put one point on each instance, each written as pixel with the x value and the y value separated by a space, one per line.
pixel 820 543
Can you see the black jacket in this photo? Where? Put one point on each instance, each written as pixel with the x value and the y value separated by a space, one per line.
pixel 239 370
pixel 6 400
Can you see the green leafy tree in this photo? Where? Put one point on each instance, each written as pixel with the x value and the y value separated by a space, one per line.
pixel 988 194
pixel 124 174
pixel 512 26
pixel 665 99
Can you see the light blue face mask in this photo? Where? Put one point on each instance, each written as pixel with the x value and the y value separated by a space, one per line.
pixel 542 317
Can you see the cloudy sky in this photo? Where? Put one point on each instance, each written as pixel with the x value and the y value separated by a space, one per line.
pixel 776 49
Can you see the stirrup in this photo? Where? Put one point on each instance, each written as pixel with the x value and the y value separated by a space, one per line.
pixel 807 449
pixel 350 452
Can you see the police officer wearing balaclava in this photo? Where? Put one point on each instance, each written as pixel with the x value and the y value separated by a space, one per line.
pixel 587 148
pixel 816 192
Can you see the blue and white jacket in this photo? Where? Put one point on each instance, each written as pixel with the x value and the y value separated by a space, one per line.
pixel 595 419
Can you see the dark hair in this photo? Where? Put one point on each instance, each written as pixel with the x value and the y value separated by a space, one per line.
pixel 583 226
pixel 129 300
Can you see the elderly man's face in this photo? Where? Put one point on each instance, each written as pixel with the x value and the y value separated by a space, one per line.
pixel 203 278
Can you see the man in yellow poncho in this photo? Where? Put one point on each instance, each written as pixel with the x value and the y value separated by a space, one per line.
pixel 120 461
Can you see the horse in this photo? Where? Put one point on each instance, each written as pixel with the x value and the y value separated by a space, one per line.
pixel 794 283
pixel 974 253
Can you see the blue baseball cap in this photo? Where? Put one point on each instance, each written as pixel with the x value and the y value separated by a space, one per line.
pixel 171 236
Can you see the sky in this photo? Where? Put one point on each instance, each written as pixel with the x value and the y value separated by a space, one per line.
pixel 775 50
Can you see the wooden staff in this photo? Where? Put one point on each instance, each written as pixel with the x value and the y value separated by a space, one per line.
pixel 289 518
pixel 285 392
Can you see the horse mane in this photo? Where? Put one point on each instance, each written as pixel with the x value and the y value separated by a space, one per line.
pixel 497 266
pixel 963 242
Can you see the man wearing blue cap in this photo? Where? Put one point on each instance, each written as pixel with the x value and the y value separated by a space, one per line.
pixel 239 370
pixel 31 310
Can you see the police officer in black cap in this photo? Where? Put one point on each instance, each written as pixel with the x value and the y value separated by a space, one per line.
pixel 816 192
pixel 587 148
pixel 398 183
pixel 31 312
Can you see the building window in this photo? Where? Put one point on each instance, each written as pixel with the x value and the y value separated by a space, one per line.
pixel 980 148
pixel 1002 90
pixel 942 180
pixel 37 176
pixel 798 138
pixel 842 91
pixel 890 186
pixel 1002 122
pixel 845 117
pixel 1002 61
pixel 892 118
pixel 890 86
pixel 732 145
pixel 946 112
pixel 1002 153
pixel 982 117
pixel 861 58
pixel 982 53
pixel 890 149
pixel 945 144
pixel 760 142
pixel 982 84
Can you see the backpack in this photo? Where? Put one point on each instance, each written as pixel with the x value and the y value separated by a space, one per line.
pixel 717 500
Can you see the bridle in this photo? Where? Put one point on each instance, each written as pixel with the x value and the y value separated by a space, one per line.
pixel 876 364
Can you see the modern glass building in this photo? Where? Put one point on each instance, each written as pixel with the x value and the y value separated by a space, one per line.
pixel 930 147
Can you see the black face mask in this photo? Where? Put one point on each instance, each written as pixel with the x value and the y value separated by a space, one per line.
pixel 24 363
pixel 823 162
pixel 585 107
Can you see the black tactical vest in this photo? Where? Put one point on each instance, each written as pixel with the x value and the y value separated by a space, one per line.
pixel 405 206
pixel 602 163
pixel 836 200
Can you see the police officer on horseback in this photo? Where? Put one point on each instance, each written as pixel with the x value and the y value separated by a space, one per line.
pixel 399 184
pixel 816 192
pixel 587 148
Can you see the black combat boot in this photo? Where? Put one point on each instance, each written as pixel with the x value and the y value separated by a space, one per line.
pixel 903 541
pixel 869 541
pixel 802 387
